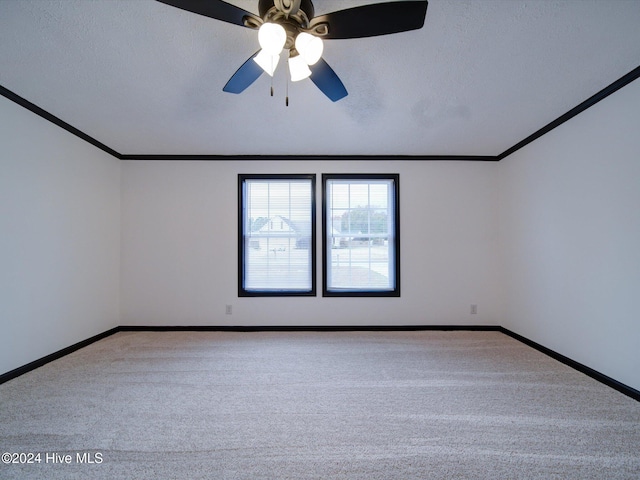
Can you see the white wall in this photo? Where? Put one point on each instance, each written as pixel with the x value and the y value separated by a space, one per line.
pixel 180 268
pixel 570 227
pixel 545 242
pixel 59 238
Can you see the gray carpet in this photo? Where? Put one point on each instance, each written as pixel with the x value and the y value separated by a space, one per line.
pixel 350 405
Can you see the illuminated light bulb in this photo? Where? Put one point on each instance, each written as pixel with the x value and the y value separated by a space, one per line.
pixel 309 47
pixel 272 38
pixel 267 62
pixel 298 68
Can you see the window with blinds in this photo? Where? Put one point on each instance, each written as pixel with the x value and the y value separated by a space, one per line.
pixel 361 235
pixel 276 235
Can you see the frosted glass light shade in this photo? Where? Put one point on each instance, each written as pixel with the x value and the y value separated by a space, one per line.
pixel 309 47
pixel 298 68
pixel 267 62
pixel 272 38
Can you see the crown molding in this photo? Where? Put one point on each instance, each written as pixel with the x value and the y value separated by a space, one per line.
pixel 23 102
pixel 588 103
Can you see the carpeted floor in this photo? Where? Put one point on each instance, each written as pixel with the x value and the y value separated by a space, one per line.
pixel 348 405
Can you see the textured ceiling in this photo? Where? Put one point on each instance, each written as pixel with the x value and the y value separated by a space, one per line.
pixel 143 77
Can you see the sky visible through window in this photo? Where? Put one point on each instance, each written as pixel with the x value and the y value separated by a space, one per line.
pixel 292 199
pixel 289 199
pixel 351 194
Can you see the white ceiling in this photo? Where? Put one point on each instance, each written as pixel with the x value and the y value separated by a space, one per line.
pixel 145 78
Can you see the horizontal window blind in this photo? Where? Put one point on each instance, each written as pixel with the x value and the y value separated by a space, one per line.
pixel 277 235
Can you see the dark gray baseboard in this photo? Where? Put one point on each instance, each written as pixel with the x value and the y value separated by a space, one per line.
pixel 306 328
pixel 5 377
pixel 602 378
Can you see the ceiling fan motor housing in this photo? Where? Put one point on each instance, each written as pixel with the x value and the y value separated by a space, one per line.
pixel 305 5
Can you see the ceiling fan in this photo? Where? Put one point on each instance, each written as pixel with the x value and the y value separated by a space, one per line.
pixel 291 25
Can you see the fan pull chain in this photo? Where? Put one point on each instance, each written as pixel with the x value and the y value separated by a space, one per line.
pixel 286 101
pixel 272 77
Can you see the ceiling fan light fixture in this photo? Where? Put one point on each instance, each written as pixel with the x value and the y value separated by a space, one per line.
pixel 292 25
pixel 272 37
pixel 309 47
pixel 267 62
pixel 298 68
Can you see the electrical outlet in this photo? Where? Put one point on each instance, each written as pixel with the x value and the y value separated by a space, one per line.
pixel 474 309
pixel 228 310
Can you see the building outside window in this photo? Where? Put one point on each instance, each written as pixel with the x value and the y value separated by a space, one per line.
pixel 276 222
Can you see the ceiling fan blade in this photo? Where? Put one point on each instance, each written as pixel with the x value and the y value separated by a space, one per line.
pixel 215 9
pixel 327 81
pixel 244 76
pixel 374 19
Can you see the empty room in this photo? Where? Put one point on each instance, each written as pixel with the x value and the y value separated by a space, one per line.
pixel 292 239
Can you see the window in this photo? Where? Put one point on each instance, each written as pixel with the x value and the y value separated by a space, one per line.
pixel 361 235
pixel 276 235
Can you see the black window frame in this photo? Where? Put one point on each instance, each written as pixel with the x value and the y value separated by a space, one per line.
pixel 395 292
pixel 242 291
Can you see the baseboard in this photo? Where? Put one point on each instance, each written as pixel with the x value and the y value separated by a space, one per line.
pixel 600 377
pixel 304 328
pixel 5 377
